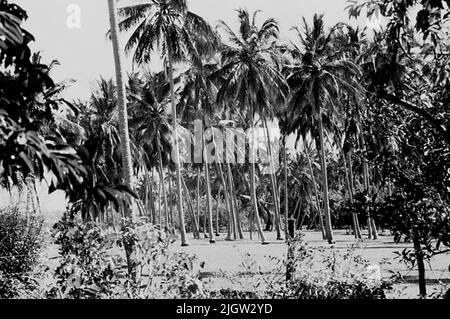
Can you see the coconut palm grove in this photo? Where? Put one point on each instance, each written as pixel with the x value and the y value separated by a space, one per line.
pixel 234 159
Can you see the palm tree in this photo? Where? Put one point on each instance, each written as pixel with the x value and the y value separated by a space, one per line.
pixel 150 123
pixel 355 46
pixel 317 78
pixel 197 97
pixel 179 35
pixel 127 169
pixel 253 82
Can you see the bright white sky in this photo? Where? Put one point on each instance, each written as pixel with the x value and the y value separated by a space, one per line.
pixel 85 53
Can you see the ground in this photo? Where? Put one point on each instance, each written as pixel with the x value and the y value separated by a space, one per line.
pixel 226 256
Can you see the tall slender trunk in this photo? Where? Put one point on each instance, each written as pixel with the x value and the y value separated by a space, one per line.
pixel 171 218
pixel 273 184
pixel 351 184
pixel 351 177
pixel 161 174
pixel 191 210
pixel 169 197
pixel 208 193
pixel 316 193
pixel 286 191
pixel 184 241
pixel 145 196
pixel 227 202
pixel 127 167
pixel 297 207
pixel 227 196
pixel 150 204
pixel 299 224
pixel 372 229
pixel 198 200
pixel 420 262
pixel 159 202
pixel 326 204
pixel 253 184
pixel 36 196
pixel 356 228
pixel 218 200
pixel 234 226
pixel 234 201
pixel 154 206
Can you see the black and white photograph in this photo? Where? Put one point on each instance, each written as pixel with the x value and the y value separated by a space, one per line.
pixel 226 157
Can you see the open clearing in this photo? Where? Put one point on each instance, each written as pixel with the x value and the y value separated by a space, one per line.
pixel 227 257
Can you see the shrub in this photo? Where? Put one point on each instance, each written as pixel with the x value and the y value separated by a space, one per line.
pixel 86 270
pixel 163 273
pixel 92 265
pixel 21 238
pixel 318 274
pixel 329 274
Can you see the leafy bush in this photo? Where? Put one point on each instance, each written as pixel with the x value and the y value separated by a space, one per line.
pixel 312 275
pixel 92 266
pixel 86 269
pixel 334 275
pixel 20 242
pixel 163 273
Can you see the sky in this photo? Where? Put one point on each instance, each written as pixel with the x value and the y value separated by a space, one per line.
pixel 85 53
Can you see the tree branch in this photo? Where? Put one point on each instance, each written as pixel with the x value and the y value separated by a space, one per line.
pixel 419 111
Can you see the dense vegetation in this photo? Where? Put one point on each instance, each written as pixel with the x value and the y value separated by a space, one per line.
pixel 369 111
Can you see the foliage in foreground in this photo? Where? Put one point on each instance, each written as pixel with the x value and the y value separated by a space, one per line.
pixel 20 243
pixel 90 268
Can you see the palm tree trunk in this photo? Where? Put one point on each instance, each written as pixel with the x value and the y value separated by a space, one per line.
pixel 149 186
pixel 297 204
pixel 161 174
pixel 253 184
pixel 351 186
pixel 286 191
pixel 273 184
pixel 234 202
pixel 184 241
pixel 420 262
pixel 234 227
pixel 157 199
pixel 228 202
pixel 191 210
pixel 198 201
pixel 350 173
pixel 159 202
pixel 326 204
pixel 208 193
pixel 127 170
pixel 218 212
pixel 171 219
pixel 227 196
pixel 316 194
pixel 36 196
pixel 373 234
pixel 356 228
pixel 145 196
